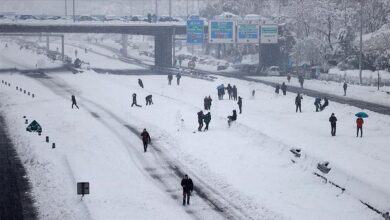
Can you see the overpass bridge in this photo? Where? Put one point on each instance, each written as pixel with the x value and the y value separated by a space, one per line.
pixel 163 34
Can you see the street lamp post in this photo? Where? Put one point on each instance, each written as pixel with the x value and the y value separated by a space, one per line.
pixel 361 43
pixel 66 8
pixel 74 16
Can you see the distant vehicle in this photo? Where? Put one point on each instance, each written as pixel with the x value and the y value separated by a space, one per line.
pixel 26 17
pixel 227 15
pixel 85 18
pixel 114 18
pixel 167 19
pixel 138 18
pixel 272 71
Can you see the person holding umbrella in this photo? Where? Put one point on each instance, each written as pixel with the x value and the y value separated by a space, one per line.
pixel 360 122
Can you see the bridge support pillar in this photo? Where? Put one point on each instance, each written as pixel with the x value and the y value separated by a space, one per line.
pixel 163 50
pixel 124 44
pixel 47 43
pixel 63 48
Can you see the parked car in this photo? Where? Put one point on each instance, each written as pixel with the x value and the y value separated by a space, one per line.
pixel 272 71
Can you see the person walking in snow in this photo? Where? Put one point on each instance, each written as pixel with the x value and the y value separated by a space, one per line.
pixel 230 91
pixel 209 101
pixel 232 118
pixel 317 103
pixel 239 103
pixel 298 103
pixel 207 119
pixel 170 77
pixel 326 103
pixel 277 88
pixel 149 100
pixel 145 139
pixel 345 86
pixel 74 103
pixel 359 127
pixel 253 93
pixel 301 80
pixel 140 83
pixel 288 77
pixel 235 92
pixel 188 187
pixel 333 121
pixel 178 77
pixel 75 53
pixel 200 120
pixel 284 88
pixel 205 103
pixel 135 101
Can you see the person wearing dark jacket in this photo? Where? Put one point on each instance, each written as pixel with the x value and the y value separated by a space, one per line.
pixel 239 103
pixel 326 103
pixel 135 101
pixel 235 93
pixel 209 101
pixel 74 103
pixel 230 91
pixel 188 187
pixel 359 126
pixel 284 88
pixel 205 103
pixel 170 77
pixel 140 83
pixel 207 119
pixel 145 139
pixel 178 77
pixel 333 121
pixel 298 103
pixel 232 118
pixel 200 120
pixel 149 100
pixel 317 103
pixel 345 86
pixel 277 88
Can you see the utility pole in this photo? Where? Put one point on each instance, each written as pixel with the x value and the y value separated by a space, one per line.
pixel 74 16
pixel 170 8
pixel 66 8
pixel 361 43
pixel 156 10
pixel 187 9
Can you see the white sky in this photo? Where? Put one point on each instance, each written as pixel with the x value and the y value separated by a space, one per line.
pixel 118 7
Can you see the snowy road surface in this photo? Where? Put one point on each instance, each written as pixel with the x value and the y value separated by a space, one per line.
pixel 242 172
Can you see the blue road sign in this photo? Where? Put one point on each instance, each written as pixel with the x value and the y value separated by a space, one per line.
pixel 195 31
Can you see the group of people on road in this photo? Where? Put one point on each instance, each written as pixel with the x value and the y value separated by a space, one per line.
pixel 170 77
pixel 232 92
pixel 283 87
pixel 320 106
pixel 206 118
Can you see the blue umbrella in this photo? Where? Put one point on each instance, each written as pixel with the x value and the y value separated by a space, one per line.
pixel 361 115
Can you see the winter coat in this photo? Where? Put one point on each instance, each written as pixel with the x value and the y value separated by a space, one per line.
pixel 317 101
pixel 140 83
pixel 239 102
pixel 134 97
pixel 359 122
pixel 73 99
pixel 178 76
pixel 233 117
pixel 187 184
pixel 298 100
pixel 345 86
pixel 277 88
pixel 170 77
pixel 200 117
pixel 284 87
pixel 332 120
pixel 145 136
pixel 234 89
pixel 207 118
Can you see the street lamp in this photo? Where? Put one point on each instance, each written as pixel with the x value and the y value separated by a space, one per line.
pixel 74 17
pixel 361 43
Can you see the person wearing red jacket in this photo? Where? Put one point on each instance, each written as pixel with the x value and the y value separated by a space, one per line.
pixel 359 126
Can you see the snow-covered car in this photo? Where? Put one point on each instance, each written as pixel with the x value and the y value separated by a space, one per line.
pixel 272 71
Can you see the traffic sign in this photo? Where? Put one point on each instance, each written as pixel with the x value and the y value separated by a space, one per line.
pixel 248 32
pixel 221 31
pixel 269 34
pixel 195 31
